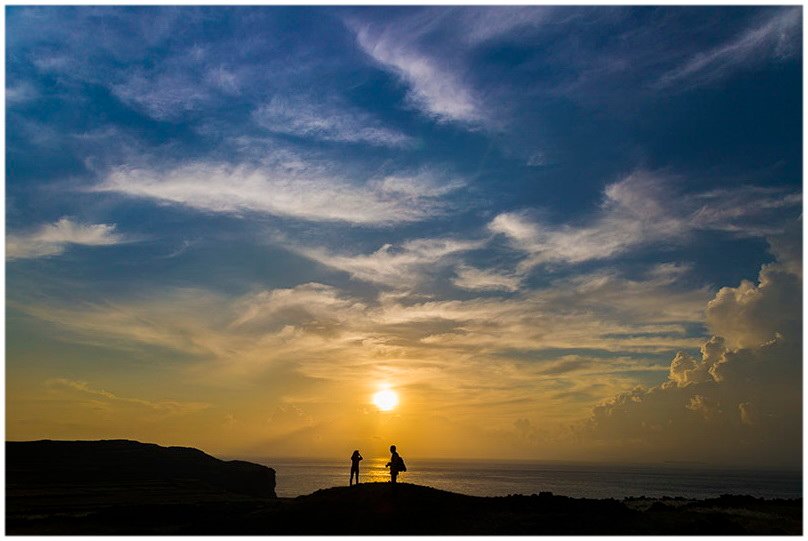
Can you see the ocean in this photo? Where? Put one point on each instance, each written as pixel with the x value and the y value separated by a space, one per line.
pixel 295 477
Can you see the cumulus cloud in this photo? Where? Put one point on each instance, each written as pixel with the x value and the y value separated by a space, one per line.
pixel 777 38
pixel 750 314
pixel 641 209
pixel 286 188
pixel 741 400
pixel 327 122
pixel 53 239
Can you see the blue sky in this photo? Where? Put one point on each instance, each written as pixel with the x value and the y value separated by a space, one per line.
pixel 218 214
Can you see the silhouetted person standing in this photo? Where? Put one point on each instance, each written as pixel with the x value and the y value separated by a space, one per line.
pixel 355 458
pixel 396 464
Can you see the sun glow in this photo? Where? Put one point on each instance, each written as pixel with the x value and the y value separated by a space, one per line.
pixel 385 399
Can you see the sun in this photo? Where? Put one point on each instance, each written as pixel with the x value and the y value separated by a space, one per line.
pixel 386 399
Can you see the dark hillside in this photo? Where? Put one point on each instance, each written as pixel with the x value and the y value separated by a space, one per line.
pixel 90 473
pixel 126 487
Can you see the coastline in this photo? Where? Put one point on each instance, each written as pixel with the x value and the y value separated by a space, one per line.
pixel 120 487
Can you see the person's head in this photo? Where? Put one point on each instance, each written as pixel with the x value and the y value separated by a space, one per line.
pixel 392 448
pixel 356 452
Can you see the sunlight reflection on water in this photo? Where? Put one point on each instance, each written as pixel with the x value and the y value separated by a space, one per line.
pixel 490 478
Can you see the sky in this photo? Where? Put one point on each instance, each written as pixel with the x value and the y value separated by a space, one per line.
pixel 557 233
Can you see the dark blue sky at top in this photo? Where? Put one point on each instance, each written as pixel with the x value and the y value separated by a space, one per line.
pixel 569 100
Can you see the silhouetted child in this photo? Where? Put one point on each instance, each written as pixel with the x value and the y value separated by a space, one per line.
pixel 355 458
pixel 396 464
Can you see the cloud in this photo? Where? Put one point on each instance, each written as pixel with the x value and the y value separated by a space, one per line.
pixel 485 280
pixel 396 266
pixel 634 212
pixel 53 239
pixel 479 24
pixel 557 350
pixel 598 311
pixel 740 402
pixel 434 88
pixel 183 80
pixel 20 93
pixel 421 184
pixel 641 209
pixel 432 52
pixel 286 188
pixel 776 38
pixel 752 314
pixel 327 122
pixel 163 96
pixel 297 308
pixel 747 211
pixel 167 407
pixel 330 334
pixel 226 80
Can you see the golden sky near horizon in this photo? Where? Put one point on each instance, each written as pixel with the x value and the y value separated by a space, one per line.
pixel 307 387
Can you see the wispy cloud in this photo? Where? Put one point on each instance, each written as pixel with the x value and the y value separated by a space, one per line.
pixel 429 50
pixel 164 96
pixel 778 37
pixel 291 188
pixel 394 266
pixel 167 407
pixel 20 93
pixel 335 336
pixel 485 280
pixel 539 350
pixel 188 77
pixel 420 184
pixel 327 122
pixel 435 89
pixel 599 311
pixel 226 80
pixel 54 239
pixel 641 209
pixel 479 24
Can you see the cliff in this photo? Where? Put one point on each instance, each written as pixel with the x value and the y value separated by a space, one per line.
pixel 130 470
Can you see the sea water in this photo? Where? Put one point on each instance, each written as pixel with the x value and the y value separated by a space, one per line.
pixel 295 477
